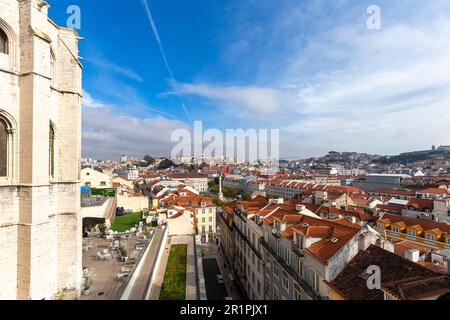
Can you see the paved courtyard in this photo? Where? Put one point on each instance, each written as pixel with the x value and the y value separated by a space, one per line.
pixel 105 284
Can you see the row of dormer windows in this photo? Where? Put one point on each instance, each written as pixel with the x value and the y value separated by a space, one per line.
pixel 428 235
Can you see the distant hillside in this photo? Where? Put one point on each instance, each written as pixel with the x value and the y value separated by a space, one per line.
pixel 408 157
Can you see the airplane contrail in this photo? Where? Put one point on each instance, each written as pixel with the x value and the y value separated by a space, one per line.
pixel 163 53
pixel 332 14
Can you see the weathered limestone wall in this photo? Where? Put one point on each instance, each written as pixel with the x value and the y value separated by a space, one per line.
pixel 40 216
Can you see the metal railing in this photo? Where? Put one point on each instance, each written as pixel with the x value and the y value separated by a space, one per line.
pixel 297 250
pixel 247 241
pixel 297 278
pixel 93 201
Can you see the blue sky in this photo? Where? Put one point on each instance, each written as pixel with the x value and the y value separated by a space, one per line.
pixel 311 68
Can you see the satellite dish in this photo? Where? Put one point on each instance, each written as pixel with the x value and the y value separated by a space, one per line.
pixel 274 231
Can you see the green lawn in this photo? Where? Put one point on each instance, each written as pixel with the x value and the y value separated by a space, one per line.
pixel 126 222
pixel 174 284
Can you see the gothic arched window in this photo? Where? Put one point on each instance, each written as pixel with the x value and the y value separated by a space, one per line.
pixel 3 149
pixel 3 42
pixel 51 152
pixel 52 66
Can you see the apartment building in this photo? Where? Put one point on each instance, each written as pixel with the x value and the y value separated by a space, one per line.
pixel 300 252
pixel 248 263
pixel 128 173
pixel 429 234
pixel 206 222
pixel 241 238
pixel 94 179
pixel 200 209
pixel 256 185
pixel 226 239
pixel 400 194
pixel 333 199
pixel 233 182
pixel 195 180
pixel 428 209
pixel 375 181
pixel 290 189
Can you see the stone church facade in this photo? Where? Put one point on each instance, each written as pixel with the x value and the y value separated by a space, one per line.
pixel 40 143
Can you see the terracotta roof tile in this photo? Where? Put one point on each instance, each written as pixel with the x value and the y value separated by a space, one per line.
pixel 400 277
pixel 425 224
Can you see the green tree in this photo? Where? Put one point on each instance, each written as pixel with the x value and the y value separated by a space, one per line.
pixel 149 160
pixel 165 164
pixel 246 197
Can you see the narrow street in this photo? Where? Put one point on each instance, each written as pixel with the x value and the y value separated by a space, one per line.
pixel 214 290
pixel 213 262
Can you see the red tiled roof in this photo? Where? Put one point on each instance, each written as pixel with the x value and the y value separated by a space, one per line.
pixel 400 277
pixel 435 191
pixel 359 214
pixel 398 192
pixel 416 227
pixel 418 288
pixel 360 201
pixel 345 222
pixel 188 175
pixel 436 267
pixel 425 224
pixel 318 231
pixel 421 204
pixel 326 248
pixel 314 187
pixel 402 246
pixel 390 208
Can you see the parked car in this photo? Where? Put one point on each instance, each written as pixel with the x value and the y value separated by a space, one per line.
pixel 219 279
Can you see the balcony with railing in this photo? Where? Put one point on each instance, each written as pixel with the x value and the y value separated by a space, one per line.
pixel 247 241
pixel 297 250
pixel 416 239
pixel 297 278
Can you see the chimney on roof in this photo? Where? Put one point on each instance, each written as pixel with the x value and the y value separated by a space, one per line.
pixel 351 219
pixel 412 255
pixel 299 207
pixel 364 241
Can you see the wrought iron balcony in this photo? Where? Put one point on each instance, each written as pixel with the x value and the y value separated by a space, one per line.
pixel 297 278
pixel 297 250
pixel 247 241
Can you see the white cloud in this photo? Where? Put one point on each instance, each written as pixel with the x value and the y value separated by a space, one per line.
pixel 392 95
pixel 347 87
pixel 119 70
pixel 107 133
pixel 254 99
pixel 89 102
